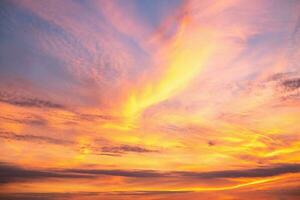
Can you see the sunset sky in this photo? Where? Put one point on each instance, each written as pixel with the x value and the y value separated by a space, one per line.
pixel 149 99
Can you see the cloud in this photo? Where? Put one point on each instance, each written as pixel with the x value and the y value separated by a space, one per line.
pixel 126 148
pixel 84 195
pixel 27 101
pixel 105 150
pixel 30 196
pixel 280 76
pixel 11 173
pixel 32 120
pixel 122 173
pixel 292 84
pixel 33 138
pixel 288 84
pixel 91 117
pixel 211 143
pixel 256 172
pixel 247 173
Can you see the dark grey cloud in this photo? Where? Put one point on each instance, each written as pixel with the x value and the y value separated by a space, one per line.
pixel 255 172
pixel 29 196
pixel 280 76
pixel 287 84
pixel 99 117
pixel 90 195
pixel 124 173
pixel 110 154
pixel 32 120
pixel 11 173
pixel 284 192
pixel 49 196
pixel 18 100
pixel 291 84
pixel 125 148
pixel 33 138
pixel 106 150
pixel 211 143
pixel 154 192
pixel 246 173
pixel 176 128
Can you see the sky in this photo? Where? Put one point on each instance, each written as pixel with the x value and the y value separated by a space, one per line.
pixel 149 99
